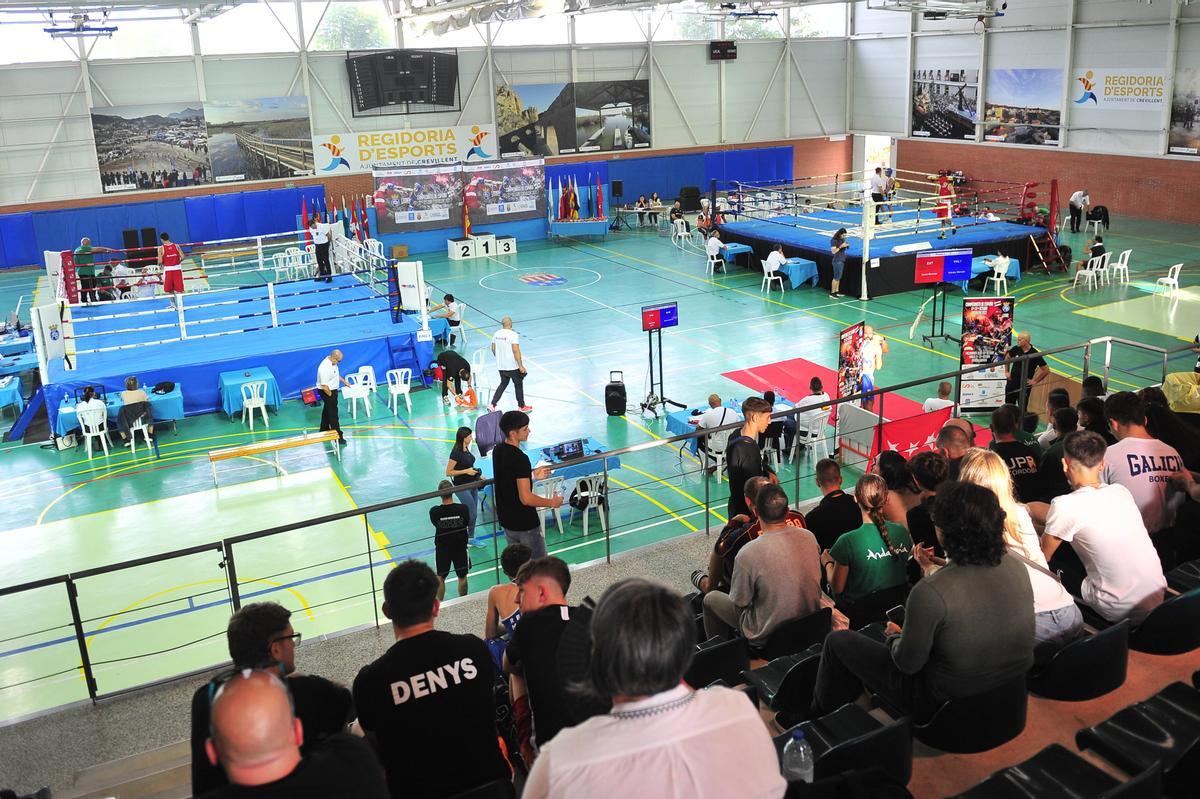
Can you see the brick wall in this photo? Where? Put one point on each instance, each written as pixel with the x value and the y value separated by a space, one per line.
pixel 1162 189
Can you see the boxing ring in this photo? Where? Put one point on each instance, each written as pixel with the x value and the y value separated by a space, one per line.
pixel 987 217
pixel 245 306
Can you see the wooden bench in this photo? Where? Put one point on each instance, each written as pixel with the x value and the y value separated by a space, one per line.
pixel 274 445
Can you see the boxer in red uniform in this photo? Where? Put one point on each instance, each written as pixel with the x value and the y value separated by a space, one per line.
pixel 944 204
pixel 170 258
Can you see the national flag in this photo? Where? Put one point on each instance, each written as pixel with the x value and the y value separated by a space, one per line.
pixel 599 198
pixel 910 435
pixel 574 200
pixel 366 221
pixel 304 218
pixel 360 216
pixel 466 220
pixel 589 195
pixel 562 201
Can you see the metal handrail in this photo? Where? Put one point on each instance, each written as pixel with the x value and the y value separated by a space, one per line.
pixel 225 546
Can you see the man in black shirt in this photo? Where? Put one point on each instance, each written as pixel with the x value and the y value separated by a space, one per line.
pixel 532 655
pixel 1026 373
pixel 953 442
pixel 516 504
pixel 837 512
pixel 1020 458
pixel 1051 477
pixel 743 458
pixel 260 636
pixel 427 701
pixel 450 521
pixel 454 368
pixel 256 738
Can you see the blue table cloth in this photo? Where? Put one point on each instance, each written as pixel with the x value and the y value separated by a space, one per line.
pixel 439 326
pixel 163 408
pixel 679 423
pixel 572 472
pixel 978 267
pixel 229 385
pixel 15 345
pixel 799 271
pixel 16 365
pixel 10 392
pixel 732 251
pixel 582 227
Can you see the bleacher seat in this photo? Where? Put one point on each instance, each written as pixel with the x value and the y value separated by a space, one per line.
pixel 786 683
pixel 850 738
pixel 1086 668
pixel 874 607
pixel 1162 729
pixel 955 726
pixel 1184 577
pixel 1172 628
pixel 796 635
pixel 717 660
pixel 1057 772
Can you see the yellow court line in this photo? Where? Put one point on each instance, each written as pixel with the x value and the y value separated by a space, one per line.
pixel 691 527
pixel 674 488
pixel 381 539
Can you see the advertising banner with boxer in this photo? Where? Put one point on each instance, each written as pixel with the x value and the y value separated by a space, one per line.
pixel 504 191
pixel 423 198
pixel 987 325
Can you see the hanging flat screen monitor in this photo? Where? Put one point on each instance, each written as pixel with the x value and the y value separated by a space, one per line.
pixel 657 317
pixel 943 266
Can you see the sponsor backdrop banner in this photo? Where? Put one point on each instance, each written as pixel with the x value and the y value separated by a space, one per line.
pixel 159 146
pixel 1023 106
pixel 1185 113
pixel 341 153
pixel 504 191
pixel 422 198
pixel 561 118
pixel 258 139
pixel 1120 89
pixel 987 324
pixel 945 102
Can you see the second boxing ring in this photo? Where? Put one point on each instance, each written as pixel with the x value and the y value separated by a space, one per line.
pixel 986 217
pixel 287 326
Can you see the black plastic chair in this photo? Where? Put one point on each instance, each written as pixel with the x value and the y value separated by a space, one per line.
pixel 717 660
pixel 796 635
pixel 786 683
pixel 1057 772
pixel 1086 668
pixel 1162 729
pixel 874 607
pixel 979 722
pixel 850 738
pixel 1184 577
pixel 1172 628
pixel 496 789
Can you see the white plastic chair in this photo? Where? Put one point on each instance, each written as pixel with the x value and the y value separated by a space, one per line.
pixel 551 487
pixel 712 447
pixel 461 330
pixel 1120 269
pixel 713 260
pixel 770 275
pixel 1088 273
pixel 679 233
pixel 1170 282
pixel 368 376
pixel 813 424
pixel 142 425
pixel 282 263
pixel 374 246
pixel 94 424
pixel 593 489
pixel 398 385
pixel 254 397
pixel 1102 276
pixel 999 276
pixel 307 266
pixel 1094 224
pixel 479 371
pixel 356 389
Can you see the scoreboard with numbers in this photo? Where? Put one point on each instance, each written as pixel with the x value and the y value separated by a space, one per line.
pixel 938 266
pixel 722 51
pixel 402 77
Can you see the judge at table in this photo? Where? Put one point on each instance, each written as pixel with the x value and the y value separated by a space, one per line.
pixel 776 258
pixel 329 380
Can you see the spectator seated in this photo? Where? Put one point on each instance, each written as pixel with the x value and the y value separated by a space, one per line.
pixel 1162 729
pixel 1086 668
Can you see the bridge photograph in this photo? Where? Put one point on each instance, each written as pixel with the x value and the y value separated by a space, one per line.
pixel 259 139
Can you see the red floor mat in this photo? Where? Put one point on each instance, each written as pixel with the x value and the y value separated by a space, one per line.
pixel 792 378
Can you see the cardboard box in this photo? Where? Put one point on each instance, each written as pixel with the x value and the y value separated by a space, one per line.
pixel 399 251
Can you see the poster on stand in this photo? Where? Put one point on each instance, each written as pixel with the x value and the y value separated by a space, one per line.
pixel 850 360
pixel 945 103
pixel 421 198
pixel 504 191
pixel 1023 106
pixel 987 334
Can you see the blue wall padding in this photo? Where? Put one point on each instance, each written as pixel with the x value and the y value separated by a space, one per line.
pixel 665 174
pixel 757 165
pixel 201 218
pixel 18 242
pixel 231 216
pixel 257 207
pixel 285 204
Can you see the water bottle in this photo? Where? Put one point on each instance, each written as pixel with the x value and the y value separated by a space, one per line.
pixel 797 759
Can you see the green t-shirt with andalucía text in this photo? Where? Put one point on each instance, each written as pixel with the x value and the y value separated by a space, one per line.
pixel 85 261
pixel 872 568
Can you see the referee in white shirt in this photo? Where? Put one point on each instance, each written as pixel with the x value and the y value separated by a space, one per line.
pixel 715 248
pixel 1078 203
pixel 878 191
pixel 329 380
pixel 320 237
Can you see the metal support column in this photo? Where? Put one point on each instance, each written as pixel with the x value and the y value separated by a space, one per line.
pixel 77 622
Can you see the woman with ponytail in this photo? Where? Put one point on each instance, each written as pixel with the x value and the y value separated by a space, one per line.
pixel 875 556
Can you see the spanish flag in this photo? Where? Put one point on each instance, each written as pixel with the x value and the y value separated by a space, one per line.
pixel 466 217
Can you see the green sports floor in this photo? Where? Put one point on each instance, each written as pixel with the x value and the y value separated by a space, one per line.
pixel 63 513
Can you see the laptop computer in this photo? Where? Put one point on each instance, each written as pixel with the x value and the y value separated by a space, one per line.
pixel 569 450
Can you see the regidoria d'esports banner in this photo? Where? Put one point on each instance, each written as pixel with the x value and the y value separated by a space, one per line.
pixel 344 153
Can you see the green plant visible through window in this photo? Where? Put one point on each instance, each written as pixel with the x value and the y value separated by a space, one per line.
pixel 349 27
